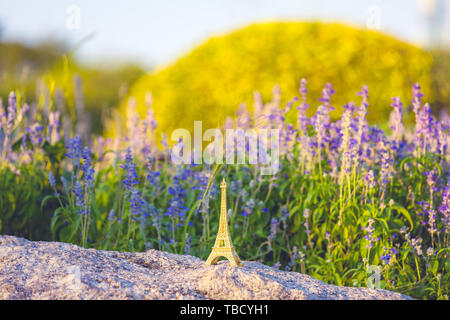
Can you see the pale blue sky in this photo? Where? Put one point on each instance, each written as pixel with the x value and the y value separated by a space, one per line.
pixel 156 32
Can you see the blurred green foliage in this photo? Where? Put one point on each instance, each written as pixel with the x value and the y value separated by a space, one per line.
pixel 440 79
pixel 212 80
pixel 22 67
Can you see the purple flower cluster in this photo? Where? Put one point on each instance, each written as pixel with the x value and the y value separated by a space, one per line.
pixel 131 178
pixel 74 150
pixel 176 208
pixel 370 234
pixel 248 207
pixel 80 203
pixel 273 229
pixel 35 132
pixel 12 111
pixel 321 119
pixel 302 119
pixel 396 121
pixel 389 255
pixel 52 182
pixel 81 187
pixel 444 208
pixel 87 169
pixel 136 204
pixel 130 183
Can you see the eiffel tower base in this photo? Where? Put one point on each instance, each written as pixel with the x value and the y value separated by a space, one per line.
pixel 229 254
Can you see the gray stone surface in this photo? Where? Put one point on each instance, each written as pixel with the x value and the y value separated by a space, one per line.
pixel 53 270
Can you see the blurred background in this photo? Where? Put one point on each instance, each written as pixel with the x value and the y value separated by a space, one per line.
pixel 201 59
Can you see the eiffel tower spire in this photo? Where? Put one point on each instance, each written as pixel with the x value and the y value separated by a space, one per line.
pixel 223 247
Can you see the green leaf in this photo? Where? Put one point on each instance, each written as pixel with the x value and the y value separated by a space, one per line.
pixel 405 213
pixel 54 221
pixel 435 266
pixel 405 161
pixel 44 201
pixel 384 224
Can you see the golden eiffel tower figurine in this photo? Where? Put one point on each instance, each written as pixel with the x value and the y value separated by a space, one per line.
pixel 223 246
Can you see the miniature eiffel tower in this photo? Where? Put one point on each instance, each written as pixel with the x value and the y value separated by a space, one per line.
pixel 223 246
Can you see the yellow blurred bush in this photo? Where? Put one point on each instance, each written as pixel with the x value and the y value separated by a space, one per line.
pixel 212 80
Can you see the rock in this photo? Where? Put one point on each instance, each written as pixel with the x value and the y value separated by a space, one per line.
pixel 53 270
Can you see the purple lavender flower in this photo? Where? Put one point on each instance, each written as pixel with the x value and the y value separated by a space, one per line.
pixel 65 184
pixel 284 213
pixel 432 178
pixel 302 119
pixel 152 176
pixel 321 119
pixel 364 94
pixel 176 207
pixel 24 143
pixel 369 179
pixel 74 150
pixel 386 164
pixel 347 143
pixel 386 258
pixel 370 234
pixel 242 117
pixel 444 208
pixel 51 179
pixel 86 167
pixel 303 91
pixel 360 125
pixel 428 212
pixel 229 123
pixel 235 186
pixel 151 120
pixel 427 126
pixel 35 134
pixel 24 109
pixel 273 229
pixel 148 126
pixel 12 111
pixel 2 113
pixel 416 244
pixel 296 256
pixel 248 207
pixel 327 92
pixel 52 182
pixel 389 255
pixel 86 157
pixel 417 95
pixel 111 215
pixel 424 122
pixel 443 138
pixel 79 198
pixel 187 244
pixel 396 120
pixel 136 204
pixel 131 178
pixel 53 127
pixel 276 265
